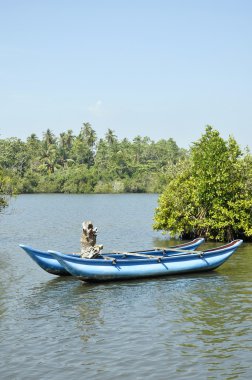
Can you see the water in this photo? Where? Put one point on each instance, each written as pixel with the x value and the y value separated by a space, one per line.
pixel 179 327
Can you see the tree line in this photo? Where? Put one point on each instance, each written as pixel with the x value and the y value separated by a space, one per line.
pixel 205 191
pixel 83 163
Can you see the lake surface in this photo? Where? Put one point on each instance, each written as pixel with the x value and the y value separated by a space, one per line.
pixel 181 327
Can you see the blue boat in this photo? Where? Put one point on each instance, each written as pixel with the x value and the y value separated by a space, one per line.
pixel 138 265
pixel 47 262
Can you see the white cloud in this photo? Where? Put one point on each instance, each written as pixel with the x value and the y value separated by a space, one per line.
pixel 96 109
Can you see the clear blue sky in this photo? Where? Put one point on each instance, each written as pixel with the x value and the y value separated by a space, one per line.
pixel 157 68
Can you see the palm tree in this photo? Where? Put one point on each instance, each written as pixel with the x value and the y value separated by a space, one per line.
pixel 49 158
pixel 69 137
pixel 110 137
pixel 48 138
pixel 65 145
pixel 88 134
pixel 32 139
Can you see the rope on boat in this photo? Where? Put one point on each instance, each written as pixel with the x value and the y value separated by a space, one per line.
pixel 110 258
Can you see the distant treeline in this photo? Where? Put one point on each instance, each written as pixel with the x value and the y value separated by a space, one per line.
pixel 206 191
pixel 82 163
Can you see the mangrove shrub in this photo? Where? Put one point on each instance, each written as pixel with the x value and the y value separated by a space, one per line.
pixel 212 196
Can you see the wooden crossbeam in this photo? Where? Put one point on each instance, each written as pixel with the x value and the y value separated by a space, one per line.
pixel 180 252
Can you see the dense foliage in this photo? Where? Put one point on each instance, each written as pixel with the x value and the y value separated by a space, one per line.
pixel 206 191
pixel 84 164
pixel 212 195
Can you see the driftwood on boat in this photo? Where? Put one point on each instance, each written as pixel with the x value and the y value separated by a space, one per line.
pixel 89 248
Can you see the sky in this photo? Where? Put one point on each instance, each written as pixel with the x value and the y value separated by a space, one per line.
pixel 158 68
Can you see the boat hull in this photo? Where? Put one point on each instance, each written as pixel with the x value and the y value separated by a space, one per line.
pixel 94 270
pixel 48 263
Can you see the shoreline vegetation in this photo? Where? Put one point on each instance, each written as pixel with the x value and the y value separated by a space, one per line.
pixel 85 164
pixel 204 191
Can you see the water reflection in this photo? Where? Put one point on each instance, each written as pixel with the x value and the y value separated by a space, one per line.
pixel 211 322
pixel 88 317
